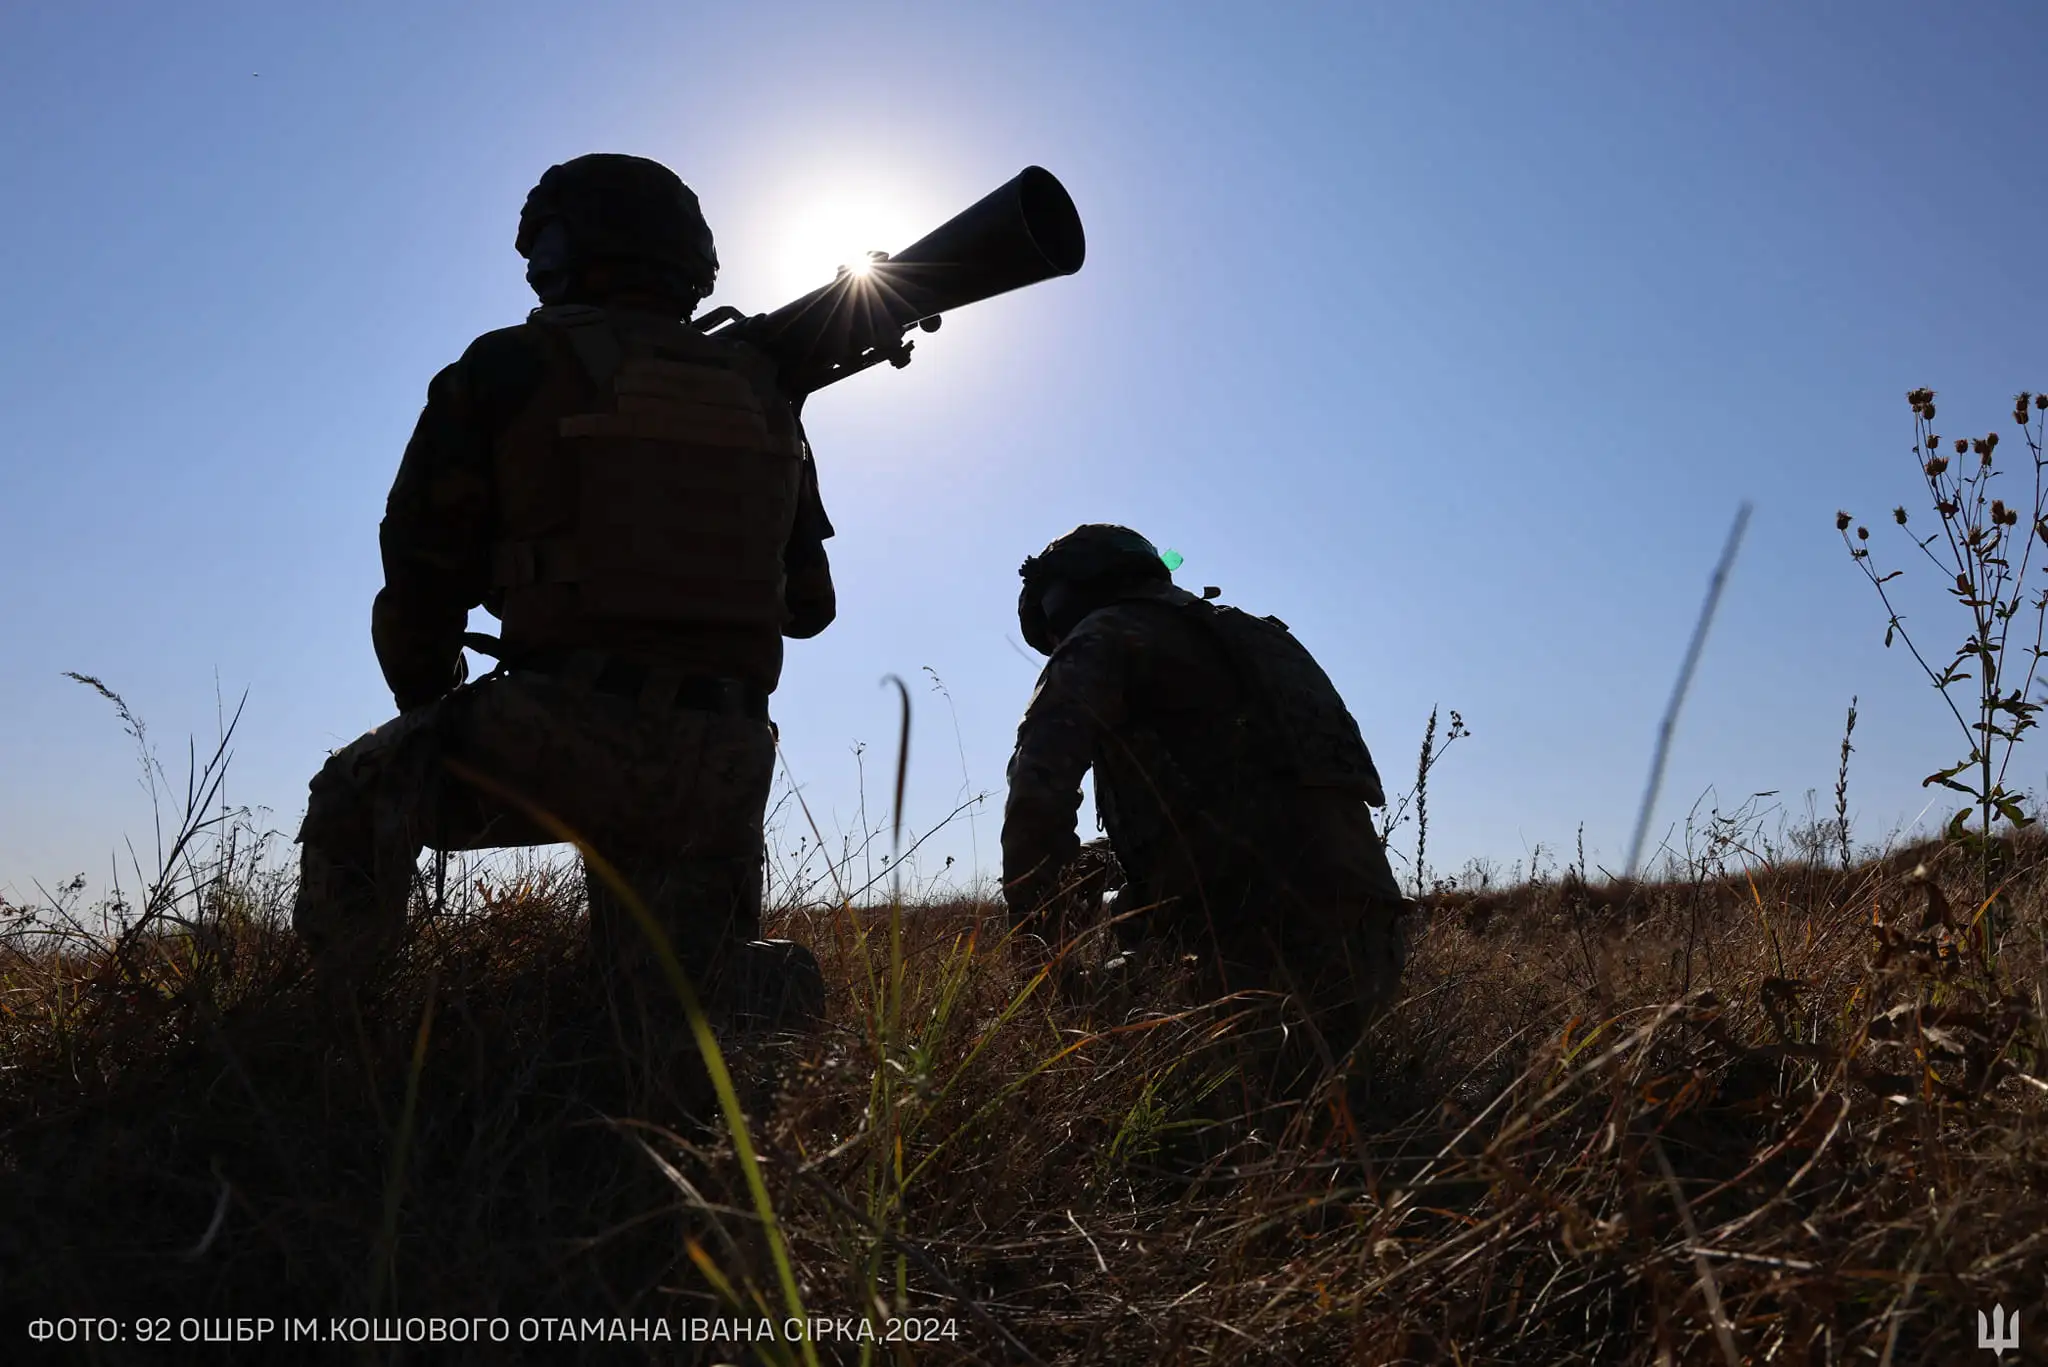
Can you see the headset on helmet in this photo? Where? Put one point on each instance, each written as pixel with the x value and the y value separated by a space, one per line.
pixel 1092 556
pixel 633 216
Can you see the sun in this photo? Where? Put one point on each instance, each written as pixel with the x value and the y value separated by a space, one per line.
pixel 837 234
pixel 831 230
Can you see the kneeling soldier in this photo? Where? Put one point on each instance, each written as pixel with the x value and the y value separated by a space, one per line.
pixel 636 503
pixel 1231 779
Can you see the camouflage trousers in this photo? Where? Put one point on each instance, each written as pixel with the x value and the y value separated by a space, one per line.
pixel 672 799
pixel 1315 916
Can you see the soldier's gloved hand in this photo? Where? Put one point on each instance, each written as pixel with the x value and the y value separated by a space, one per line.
pixel 1090 873
pixel 1033 904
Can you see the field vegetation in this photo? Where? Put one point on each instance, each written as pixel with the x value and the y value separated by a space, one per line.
pixel 1781 1099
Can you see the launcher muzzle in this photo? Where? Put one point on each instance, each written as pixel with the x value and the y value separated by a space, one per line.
pixel 1021 233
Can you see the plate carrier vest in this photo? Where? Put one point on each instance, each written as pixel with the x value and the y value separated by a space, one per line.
pixel 666 501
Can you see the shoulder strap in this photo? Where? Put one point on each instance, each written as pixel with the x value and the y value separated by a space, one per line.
pixel 590 335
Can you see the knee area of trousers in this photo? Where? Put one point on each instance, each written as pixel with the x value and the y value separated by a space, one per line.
pixel 338 815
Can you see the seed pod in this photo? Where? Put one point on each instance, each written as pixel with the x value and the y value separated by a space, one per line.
pixel 1899 515
pixel 1841 522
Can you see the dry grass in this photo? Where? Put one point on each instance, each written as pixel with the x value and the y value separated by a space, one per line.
pixel 1771 1108
pixel 1785 1113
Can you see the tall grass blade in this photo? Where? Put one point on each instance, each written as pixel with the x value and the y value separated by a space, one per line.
pixel 1669 724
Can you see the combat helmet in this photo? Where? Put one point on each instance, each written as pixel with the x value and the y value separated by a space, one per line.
pixel 1077 573
pixel 627 220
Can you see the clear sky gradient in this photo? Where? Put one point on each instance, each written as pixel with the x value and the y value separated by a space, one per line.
pixel 1453 334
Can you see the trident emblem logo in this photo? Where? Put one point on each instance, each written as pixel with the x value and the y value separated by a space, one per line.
pixel 1998 1333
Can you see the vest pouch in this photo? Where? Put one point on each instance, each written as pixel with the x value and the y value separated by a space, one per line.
pixel 672 531
pixel 684 476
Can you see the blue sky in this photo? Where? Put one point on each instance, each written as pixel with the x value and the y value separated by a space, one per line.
pixel 1453 334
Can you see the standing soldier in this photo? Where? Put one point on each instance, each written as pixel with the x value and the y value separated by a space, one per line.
pixel 1231 780
pixel 636 503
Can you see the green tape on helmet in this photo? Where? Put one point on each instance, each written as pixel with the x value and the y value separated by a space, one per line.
pixel 1171 559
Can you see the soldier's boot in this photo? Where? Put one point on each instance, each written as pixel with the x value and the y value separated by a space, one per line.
pixel 774 987
pixel 768 1000
pixel 627 958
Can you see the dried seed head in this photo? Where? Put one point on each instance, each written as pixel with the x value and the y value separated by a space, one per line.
pixel 1863 533
pixel 1932 441
pixel 1998 510
pixel 1937 465
pixel 1962 445
pixel 1990 440
pixel 1927 410
pixel 1899 515
pixel 1841 522
pixel 1919 398
pixel 2041 401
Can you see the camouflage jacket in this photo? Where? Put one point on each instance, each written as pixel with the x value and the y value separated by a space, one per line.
pixel 439 527
pixel 1138 693
pixel 1142 693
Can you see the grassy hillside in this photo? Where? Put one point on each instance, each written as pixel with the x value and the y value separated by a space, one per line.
pixel 1761 1111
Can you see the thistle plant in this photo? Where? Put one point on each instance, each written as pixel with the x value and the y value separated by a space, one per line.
pixel 1983 557
pixel 1417 797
